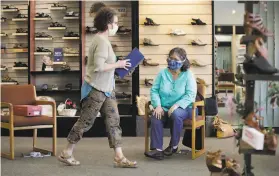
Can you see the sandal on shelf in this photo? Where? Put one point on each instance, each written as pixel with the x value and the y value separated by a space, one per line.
pixel 69 160
pixel 125 163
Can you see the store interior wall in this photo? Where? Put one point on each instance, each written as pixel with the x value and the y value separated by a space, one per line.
pixel 175 15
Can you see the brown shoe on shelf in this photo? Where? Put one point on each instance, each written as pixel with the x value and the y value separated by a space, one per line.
pixel 195 63
pixel 148 62
pixel 149 42
pixel 213 161
pixel 252 120
pixel 148 82
pixel 271 139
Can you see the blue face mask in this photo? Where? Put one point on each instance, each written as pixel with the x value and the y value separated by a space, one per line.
pixel 174 65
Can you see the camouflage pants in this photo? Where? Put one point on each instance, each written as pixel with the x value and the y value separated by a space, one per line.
pixel 96 102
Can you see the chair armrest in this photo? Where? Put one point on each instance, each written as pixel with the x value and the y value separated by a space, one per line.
pixel 51 103
pixel 198 103
pixel 11 111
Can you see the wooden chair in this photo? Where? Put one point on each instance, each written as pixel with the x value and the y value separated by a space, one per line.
pixel 25 95
pixel 226 82
pixel 188 124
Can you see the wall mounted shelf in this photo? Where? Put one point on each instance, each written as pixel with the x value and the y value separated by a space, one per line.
pixel 59 63
pixel 70 55
pixel 54 72
pixel 9 10
pixel 19 50
pixel 70 38
pixel 70 18
pixel 41 38
pixel 58 8
pixel 19 34
pixel 42 53
pixel 8 83
pixel 20 68
pixel 20 19
pixel 3 35
pixel 42 19
pixel 3 69
pixel 56 28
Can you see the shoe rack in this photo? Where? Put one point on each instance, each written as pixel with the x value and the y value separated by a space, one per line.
pixel 122 46
pixel 42 15
pixel 14 73
pixel 250 80
pixel 175 16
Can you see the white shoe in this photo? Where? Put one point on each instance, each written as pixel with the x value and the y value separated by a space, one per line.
pixel 178 32
pixel 198 42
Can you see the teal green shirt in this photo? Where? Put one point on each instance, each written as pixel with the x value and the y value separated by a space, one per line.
pixel 166 92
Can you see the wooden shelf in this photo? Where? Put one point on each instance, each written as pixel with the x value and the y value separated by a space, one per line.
pixel 247 149
pixel 3 69
pixel 20 68
pixel 54 72
pixel 70 55
pixel 3 35
pixel 58 8
pixel 19 19
pixel 2 20
pixel 9 10
pixel 70 38
pixel 20 34
pixel 42 19
pixel 70 18
pixel 59 63
pixel 42 38
pixel 57 28
pixel 260 77
pixel 42 53
pixel 19 50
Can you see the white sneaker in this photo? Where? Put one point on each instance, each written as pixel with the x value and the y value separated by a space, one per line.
pixel 178 32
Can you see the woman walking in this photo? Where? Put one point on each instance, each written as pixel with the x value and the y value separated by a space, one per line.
pixel 98 91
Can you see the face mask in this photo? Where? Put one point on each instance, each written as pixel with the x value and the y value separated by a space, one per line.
pixel 113 31
pixel 174 65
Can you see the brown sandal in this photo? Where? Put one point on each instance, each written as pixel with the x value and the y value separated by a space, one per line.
pixel 67 159
pixel 125 163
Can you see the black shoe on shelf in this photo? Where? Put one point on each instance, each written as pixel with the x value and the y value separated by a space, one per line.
pixel 56 24
pixel 150 22
pixel 69 86
pixel 42 49
pixel 155 154
pixel 71 34
pixel 20 16
pixel 258 65
pixel 170 150
pixel 21 30
pixel 3 19
pixel 65 67
pixel 10 7
pixel 122 95
pixel 72 14
pixel 20 64
pixel 123 30
pixel 197 22
pixel 42 35
pixel 42 15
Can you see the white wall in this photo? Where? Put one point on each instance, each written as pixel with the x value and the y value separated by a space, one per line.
pixel 223 13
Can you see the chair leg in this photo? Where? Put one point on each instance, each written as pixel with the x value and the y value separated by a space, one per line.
pixel 193 143
pixel 203 136
pixel 54 140
pixel 146 134
pixel 12 143
pixel 35 132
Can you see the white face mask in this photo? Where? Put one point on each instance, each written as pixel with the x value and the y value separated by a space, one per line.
pixel 113 31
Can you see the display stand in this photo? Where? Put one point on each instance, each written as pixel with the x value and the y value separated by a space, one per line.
pixel 249 98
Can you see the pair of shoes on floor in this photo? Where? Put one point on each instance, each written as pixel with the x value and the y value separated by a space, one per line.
pixel 159 155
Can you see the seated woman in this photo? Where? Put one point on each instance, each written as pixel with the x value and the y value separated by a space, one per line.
pixel 172 95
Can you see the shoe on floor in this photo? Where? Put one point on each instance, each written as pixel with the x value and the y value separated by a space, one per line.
pixel 170 150
pixel 155 154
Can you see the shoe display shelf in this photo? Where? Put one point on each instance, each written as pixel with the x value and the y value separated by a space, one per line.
pixel 42 19
pixel 250 79
pixel 71 54
pixel 70 18
pixel 58 8
pixel 43 38
pixel 13 13
pixel 57 28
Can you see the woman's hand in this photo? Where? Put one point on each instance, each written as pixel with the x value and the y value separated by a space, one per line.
pixel 158 112
pixel 123 64
pixel 173 108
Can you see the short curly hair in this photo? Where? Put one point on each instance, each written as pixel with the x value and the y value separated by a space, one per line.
pixel 96 7
pixel 104 17
pixel 181 53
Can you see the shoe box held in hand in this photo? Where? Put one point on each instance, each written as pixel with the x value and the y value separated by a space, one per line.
pixel 27 110
pixel 253 137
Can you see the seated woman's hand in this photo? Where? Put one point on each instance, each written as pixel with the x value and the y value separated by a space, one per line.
pixel 158 112
pixel 173 108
